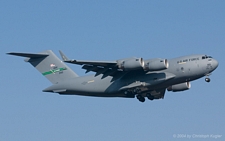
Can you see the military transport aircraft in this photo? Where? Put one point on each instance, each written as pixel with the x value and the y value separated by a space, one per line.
pixel 129 78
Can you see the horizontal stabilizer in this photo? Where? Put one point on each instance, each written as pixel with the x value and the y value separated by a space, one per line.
pixel 30 55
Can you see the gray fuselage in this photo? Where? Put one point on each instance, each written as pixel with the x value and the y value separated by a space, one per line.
pixel 180 70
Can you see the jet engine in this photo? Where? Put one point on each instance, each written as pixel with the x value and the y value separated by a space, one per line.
pixel 130 64
pixel 180 87
pixel 156 65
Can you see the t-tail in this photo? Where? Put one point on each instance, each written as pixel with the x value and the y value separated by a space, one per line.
pixel 49 65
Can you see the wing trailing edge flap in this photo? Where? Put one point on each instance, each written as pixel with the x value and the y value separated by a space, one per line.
pixel 101 70
pixel 107 68
pixel 97 63
pixel 91 68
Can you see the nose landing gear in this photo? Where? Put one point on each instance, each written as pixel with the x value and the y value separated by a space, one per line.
pixel 207 79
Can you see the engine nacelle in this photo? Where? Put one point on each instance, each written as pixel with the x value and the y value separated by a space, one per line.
pixel 156 65
pixel 180 87
pixel 130 64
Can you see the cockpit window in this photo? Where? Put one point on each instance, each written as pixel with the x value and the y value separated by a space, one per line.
pixel 205 57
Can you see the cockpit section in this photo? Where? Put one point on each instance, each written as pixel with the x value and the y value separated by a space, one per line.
pixel 206 57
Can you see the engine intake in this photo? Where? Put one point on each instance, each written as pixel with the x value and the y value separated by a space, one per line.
pixel 156 65
pixel 130 64
pixel 179 87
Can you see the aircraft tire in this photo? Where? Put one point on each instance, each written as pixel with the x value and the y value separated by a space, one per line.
pixel 207 79
pixel 150 97
pixel 140 98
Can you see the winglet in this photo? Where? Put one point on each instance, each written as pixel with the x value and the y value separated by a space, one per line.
pixel 63 56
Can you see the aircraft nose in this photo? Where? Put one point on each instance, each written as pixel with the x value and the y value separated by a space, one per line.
pixel 215 63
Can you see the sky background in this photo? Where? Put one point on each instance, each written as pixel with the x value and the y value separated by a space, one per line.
pixel 109 30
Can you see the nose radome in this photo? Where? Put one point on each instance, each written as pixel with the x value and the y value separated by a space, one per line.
pixel 215 63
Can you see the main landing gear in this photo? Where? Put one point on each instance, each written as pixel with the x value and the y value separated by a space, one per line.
pixel 150 97
pixel 140 98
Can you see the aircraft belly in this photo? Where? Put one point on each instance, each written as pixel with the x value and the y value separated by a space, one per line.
pixel 87 86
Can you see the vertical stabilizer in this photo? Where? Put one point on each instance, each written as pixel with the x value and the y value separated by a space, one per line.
pixel 49 65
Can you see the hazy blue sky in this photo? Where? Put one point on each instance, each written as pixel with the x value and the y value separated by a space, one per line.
pixel 109 30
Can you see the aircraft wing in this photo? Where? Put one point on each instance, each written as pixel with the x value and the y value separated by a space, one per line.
pixel 96 63
pixel 100 67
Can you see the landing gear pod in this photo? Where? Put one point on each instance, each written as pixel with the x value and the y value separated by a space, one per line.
pixel 180 87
